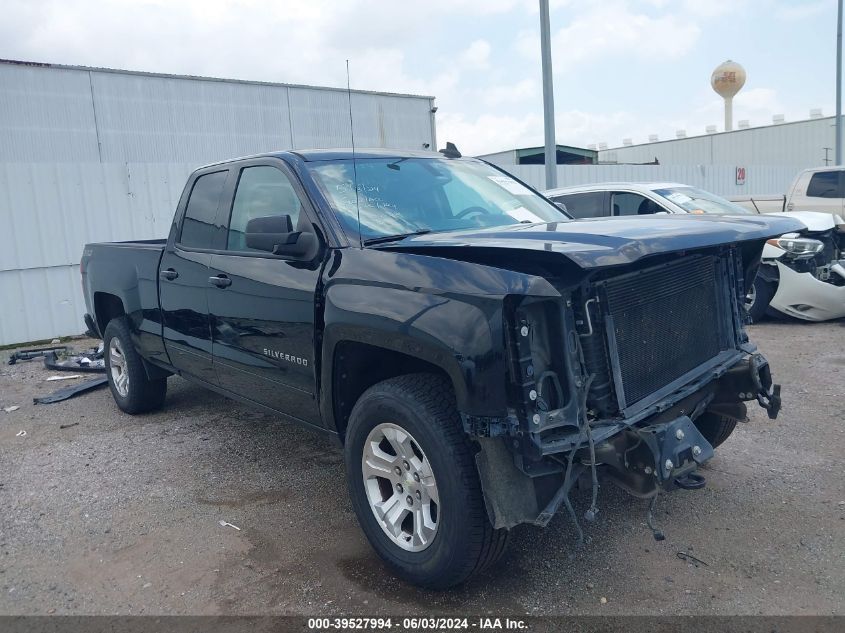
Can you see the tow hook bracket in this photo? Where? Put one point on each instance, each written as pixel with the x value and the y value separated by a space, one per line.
pixel 768 393
pixel 678 448
pixel 691 481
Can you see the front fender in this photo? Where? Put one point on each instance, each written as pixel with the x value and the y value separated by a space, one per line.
pixel 444 311
pixel 465 340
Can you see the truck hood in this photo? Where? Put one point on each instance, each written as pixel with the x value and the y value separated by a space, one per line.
pixel 603 242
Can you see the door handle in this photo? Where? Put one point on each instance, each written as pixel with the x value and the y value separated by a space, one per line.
pixel 221 281
pixel 168 274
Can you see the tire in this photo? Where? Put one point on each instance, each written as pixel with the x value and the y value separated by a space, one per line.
pixel 757 301
pixel 135 392
pixel 715 428
pixel 421 406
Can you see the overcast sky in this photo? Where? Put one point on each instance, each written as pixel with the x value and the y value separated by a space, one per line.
pixel 623 68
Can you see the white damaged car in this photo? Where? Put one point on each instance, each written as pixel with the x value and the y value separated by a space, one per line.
pixel 802 275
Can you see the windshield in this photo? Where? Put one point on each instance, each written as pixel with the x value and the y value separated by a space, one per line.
pixel 398 196
pixel 694 200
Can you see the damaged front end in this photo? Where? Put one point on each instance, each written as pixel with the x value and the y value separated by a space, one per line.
pixel 808 272
pixel 612 382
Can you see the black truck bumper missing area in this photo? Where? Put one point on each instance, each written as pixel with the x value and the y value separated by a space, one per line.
pixel 642 456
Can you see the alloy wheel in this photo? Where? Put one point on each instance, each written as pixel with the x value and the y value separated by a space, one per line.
pixel 117 366
pixel 400 487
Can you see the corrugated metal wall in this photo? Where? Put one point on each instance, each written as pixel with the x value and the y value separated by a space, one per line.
pixel 50 211
pixel 799 143
pixel 59 114
pixel 97 155
pixel 720 179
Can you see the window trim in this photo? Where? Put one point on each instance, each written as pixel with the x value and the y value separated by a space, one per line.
pixel 231 209
pixel 235 168
pixel 183 214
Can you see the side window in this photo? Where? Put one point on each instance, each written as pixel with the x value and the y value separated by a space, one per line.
pixel 263 191
pixel 198 228
pixel 584 205
pixel 824 184
pixel 626 203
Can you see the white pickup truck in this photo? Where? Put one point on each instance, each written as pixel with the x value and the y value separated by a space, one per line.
pixel 802 274
pixel 819 189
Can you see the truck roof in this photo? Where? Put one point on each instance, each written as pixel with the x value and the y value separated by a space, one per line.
pixel 309 155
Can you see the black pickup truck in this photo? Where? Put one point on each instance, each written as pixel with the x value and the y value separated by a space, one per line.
pixel 475 350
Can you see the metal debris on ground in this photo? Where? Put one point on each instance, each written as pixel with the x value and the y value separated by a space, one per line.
pixel 67 426
pixel 14 407
pixel 70 392
pixel 21 433
pixel 227 524
pixel 52 378
pixel 29 354
pixel 691 559
pixel 90 361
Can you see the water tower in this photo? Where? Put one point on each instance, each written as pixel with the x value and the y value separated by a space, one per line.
pixel 727 79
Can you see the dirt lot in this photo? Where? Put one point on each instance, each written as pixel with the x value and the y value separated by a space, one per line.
pixel 120 515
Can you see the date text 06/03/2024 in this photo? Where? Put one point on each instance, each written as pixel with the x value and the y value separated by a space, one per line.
pixel 415 624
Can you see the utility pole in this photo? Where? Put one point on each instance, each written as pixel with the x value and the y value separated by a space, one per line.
pixel 839 84
pixel 549 97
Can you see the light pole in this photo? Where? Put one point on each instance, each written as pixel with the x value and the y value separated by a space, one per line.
pixel 839 84
pixel 549 97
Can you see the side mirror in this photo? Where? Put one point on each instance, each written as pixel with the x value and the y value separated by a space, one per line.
pixel 562 207
pixel 275 235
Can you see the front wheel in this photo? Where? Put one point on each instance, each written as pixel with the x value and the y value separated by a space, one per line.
pixel 714 427
pixel 132 389
pixel 758 298
pixel 414 484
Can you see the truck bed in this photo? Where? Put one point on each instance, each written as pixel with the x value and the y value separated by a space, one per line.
pixel 125 274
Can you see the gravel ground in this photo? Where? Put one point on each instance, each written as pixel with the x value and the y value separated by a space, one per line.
pixel 120 514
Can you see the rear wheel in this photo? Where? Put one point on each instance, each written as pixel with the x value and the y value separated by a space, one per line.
pixel 414 484
pixel 714 427
pixel 132 390
pixel 758 298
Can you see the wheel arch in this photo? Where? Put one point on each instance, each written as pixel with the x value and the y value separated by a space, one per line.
pixel 355 366
pixel 107 306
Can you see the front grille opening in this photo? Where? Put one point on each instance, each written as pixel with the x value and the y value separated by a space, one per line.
pixel 662 323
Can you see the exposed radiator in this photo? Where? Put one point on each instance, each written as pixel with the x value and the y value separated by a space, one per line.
pixel 662 323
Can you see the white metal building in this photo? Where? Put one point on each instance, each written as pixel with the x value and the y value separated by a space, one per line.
pixel 90 154
pixel 799 144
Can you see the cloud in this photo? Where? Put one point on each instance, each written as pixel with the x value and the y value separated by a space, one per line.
pixel 491 133
pixel 477 55
pixel 597 31
pixel 792 11
pixel 524 92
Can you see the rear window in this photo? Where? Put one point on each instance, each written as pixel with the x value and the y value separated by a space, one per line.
pixel 824 184
pixel 198 227
pixel 584 205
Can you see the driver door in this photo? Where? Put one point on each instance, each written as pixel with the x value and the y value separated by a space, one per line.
pixel 262 305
